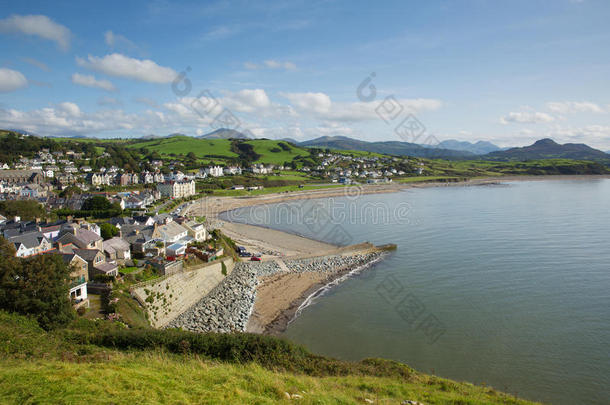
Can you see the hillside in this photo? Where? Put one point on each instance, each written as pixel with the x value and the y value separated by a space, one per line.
pixel 210 149
pixel 102 362
pixel 386 147
pixel 549 149
pixel 182 145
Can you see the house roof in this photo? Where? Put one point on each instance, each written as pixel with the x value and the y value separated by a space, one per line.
pixel 175 246
pixel 28 239
pixel 171 230
pixel 116 244
pixel 106 267
pixel 87 236
pixel 87 254
pixel 144 233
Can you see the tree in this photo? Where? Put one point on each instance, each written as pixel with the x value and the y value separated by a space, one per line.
pixel 96 203
pixel 26 209
pixel 108 230
pixel 70 191
pixel 38 286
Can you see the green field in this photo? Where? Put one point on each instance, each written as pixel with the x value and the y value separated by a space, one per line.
pixel 99 362
pixel 182 145
pixel 264 148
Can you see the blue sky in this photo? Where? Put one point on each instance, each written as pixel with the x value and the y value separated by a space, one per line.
pixel 506 71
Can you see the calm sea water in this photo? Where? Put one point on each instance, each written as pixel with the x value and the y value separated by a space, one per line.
pixel 504 285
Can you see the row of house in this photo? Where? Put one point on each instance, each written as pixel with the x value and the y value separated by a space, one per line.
pixel 80 243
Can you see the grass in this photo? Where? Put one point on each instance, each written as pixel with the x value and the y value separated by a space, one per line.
pixel 264 147
pixel 128 270
pixel 269 190
pixel 100 362
pixel 156 378
pixel 182 145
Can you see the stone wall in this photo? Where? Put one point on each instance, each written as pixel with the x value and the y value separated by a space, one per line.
pixel 167 298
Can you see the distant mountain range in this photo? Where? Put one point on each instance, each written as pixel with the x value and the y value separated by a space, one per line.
pixel 387 147
pixel 549 149
pixel 478 148
pixel 224 133
pixel 448 149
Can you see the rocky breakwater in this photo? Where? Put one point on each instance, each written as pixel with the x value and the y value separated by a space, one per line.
pixel 324 264
pixel 226 308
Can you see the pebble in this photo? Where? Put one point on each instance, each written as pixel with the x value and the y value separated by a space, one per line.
pixel 228 306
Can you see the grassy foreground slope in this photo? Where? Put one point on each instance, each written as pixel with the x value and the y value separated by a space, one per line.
pixel 98 362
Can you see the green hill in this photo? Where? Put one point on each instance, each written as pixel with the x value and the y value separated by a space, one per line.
pixel 182 145
pixel 268 151
pixel 101 362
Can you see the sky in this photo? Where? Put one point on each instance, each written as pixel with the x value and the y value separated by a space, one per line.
pixel 509 72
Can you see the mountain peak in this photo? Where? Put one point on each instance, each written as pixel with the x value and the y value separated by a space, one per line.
pixel 224 133
pixel 545 142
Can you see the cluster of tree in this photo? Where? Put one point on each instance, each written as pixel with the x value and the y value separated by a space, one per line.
pixel 37 286
pixel 108 231
pixel 97 207
pixel 13 145
pixel 25 209
pixel 122 157
pixel 245 151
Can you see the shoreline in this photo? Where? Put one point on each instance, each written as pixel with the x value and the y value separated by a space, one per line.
pixel 301 290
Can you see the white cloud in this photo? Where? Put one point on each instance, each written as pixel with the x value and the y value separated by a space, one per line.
pixel 38 25
pixel 119 65
pixel 271 64
pixel 247 100
pixel 274 64
pixel 527 118
pixel 311 102
pixel 70 109
pixel 590 134
pixel 91 81
pixel 68 119
pixel 40 65
pixel 11 80
pixel 320 106
pixel 565 107
pixel 113 40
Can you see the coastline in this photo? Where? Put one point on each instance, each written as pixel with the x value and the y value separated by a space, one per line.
pixel 272 313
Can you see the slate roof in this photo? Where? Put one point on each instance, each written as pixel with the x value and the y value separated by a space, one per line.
pixel 87 254
pixel 29 239
pixel 116 244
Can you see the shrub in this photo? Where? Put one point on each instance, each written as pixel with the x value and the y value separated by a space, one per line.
pixel 38 286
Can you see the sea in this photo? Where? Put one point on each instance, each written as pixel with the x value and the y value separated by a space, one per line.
pixel 506 285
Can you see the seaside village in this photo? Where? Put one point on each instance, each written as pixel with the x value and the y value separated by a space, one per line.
pixel 48 172
pixel 107 222
pixel 161 244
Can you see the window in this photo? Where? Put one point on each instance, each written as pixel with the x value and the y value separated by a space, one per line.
pixel 78 292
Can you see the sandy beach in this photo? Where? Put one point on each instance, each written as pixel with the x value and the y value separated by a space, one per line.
pixel 278 296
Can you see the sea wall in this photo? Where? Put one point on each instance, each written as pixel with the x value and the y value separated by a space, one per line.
pixel 167 298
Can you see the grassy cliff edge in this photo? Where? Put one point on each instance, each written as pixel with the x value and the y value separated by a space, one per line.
pixel 101 362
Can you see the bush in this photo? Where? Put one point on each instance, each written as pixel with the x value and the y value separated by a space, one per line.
pixel 269 352
pixel 224 268
pixel 108 231
pixel 38 286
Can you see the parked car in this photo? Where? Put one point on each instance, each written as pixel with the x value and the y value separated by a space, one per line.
pixel 255 259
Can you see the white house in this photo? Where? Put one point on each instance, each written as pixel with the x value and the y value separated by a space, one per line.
pixel 214 171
